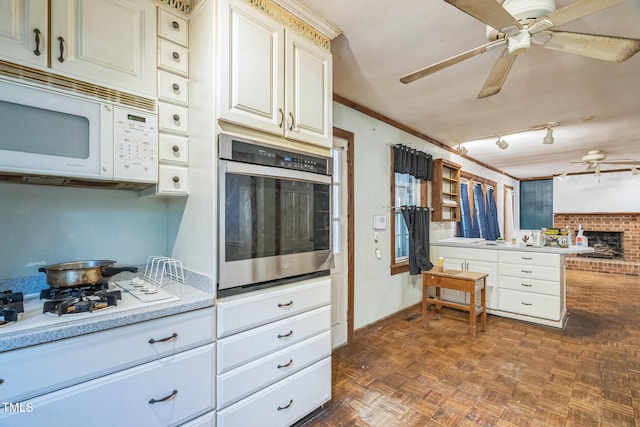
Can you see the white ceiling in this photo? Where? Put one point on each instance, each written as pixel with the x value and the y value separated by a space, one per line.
pixel 384 40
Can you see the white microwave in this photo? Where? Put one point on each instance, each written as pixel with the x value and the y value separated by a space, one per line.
pixel 45 133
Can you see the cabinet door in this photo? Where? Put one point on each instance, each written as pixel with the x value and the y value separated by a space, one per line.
pixel 111 42
pixel 251 62
pixel 308 74
pixel 491 268
pixel 23 31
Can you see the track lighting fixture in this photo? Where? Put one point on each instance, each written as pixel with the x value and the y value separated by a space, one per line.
pixel 462 150
pixel 503 145
pixel 563 175
pixel 634 170
pixel 548 139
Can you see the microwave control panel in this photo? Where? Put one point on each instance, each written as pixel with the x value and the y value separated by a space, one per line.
pixel 136 145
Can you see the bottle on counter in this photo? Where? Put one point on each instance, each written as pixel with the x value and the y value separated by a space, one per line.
pixel 581 239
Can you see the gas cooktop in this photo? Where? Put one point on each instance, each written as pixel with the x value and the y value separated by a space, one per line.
pixel 134 294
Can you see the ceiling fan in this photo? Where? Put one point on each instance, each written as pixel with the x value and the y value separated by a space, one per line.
pixel 517 24
pixel 593 159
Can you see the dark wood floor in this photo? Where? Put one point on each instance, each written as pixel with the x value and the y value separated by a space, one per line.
pixel 395 373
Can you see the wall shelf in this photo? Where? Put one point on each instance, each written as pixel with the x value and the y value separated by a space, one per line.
pixel 445 191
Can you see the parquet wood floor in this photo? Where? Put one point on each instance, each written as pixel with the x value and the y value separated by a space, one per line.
pixel 517 374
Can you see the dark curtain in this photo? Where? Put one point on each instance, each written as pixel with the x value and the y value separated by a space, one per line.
pixel 478 200
pixel 417 220
pixel 492 214
pixel 467 227
pixel 413 162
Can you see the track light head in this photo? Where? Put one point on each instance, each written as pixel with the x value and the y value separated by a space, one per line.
pixel 503 145
pixel 548 139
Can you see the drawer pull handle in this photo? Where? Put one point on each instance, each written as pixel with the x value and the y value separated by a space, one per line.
pixel 174 335
pixel 526 303
pixel 175 25
pixel 527 271
pixel 293 121
pixel 285 305
pixel 164 399
pixel 288 405
pixel 175 56
pixel 286 365
pixel 175 87
pixel 526 258
pixel 285 335
pixel 176 117
pixel 526 284
pixel 281 118
pixel 176 179
pixel 175 148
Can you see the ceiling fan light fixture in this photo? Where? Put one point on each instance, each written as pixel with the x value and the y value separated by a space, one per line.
pixel 548 139
pixel 503 145
pixel 462 150
pixel 563 175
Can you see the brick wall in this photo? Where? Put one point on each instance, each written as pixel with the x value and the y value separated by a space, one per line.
pixel 627 223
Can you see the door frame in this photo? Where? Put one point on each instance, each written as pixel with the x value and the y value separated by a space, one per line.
pixel 349 137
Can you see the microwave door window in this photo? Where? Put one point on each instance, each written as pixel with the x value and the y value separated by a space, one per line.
pixel 34 130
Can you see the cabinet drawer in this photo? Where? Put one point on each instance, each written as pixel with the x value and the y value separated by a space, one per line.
pixel 529 271
pixel 172 118
pixel 206 420
pixel 284 402
pixel 173 180
pixel 173 58
pixel 187 377
pixel 530 285
pixel 174 149
pixel 251 377
pixel 530 304
pixel 529 258
pixel 241 312
pixel 244 347
pixel 173 28
pixel 173 88
pixel 468 254
pixel 124 347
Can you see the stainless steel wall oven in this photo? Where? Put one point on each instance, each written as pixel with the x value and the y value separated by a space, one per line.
pixel 274 215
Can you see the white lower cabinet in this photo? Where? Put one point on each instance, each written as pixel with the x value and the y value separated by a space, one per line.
pixel 155 373
pixel 283 403
pixel 524 285
pixel 274 354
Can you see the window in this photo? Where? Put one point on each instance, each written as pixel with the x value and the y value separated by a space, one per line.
pixel 407 193
pixel 536 204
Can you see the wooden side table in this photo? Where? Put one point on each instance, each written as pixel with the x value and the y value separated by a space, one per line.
pixel 467 281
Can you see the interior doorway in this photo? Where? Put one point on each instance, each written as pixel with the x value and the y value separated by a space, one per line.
pixel 342 276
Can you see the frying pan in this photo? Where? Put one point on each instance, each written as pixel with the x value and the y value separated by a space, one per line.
pixel 81 273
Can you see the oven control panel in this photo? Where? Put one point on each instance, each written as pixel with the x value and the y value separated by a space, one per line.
pixel 242 150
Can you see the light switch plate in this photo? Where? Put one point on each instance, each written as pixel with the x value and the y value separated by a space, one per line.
pixel 379 222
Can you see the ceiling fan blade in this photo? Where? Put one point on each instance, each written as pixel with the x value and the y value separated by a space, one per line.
pixel 498 75
pixel 606 48
pixel 622 162
pixel 490 12
pixel 578 9
pixel 451 61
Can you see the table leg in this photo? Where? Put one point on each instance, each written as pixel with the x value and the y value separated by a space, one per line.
pixel 438 306
pixel 425 319
pixel 484 304
pixel 472 311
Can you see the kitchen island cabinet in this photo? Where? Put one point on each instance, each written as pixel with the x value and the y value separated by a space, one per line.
pixel 524 283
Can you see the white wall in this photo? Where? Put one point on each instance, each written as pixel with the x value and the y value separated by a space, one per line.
pixel 588 193
pixel 377 293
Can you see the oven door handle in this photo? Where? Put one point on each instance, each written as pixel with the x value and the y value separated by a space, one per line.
pixel 272 172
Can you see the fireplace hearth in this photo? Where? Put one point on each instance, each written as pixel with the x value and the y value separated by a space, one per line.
pixel 605 244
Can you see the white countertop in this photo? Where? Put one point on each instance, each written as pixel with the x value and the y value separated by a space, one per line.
pixel 468 242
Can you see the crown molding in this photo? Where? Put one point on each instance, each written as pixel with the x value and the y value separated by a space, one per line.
pixel 310 17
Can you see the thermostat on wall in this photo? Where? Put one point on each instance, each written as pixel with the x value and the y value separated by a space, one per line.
pixel 379 222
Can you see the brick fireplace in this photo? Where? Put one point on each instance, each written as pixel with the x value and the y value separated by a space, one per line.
pixel 606 223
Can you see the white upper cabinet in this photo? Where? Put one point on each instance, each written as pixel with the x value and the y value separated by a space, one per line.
pixel 112 41
pixel 107 42
pixel 24 31
pixel 271 78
